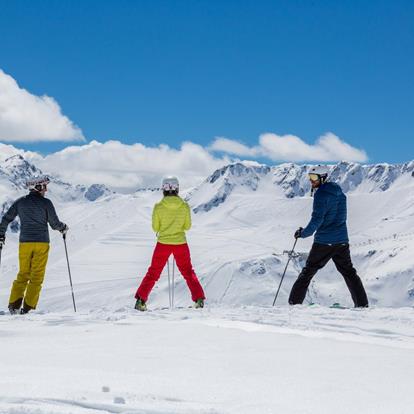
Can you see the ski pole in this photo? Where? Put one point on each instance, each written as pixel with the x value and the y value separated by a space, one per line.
pixel 1 248
pixel 169 283
pixel 173 282
pixel 70 276
pixel 284 272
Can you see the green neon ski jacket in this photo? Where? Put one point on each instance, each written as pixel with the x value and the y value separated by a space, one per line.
pixel 171 217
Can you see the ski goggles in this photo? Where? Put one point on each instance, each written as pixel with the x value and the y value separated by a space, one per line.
pixel 314 177
pixel 41 187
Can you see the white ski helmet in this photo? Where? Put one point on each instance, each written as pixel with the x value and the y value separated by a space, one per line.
pixel 170 183
pixel 320 170
pixel 37 183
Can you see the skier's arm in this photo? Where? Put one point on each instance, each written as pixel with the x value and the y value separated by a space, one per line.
pixel 155 220
pixel 7 218
pixel 187 221
pixel 53 219
pixel 318 215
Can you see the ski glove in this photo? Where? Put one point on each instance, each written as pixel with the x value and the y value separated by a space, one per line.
pixel 298 233
pixel 2 241
pixel 65 230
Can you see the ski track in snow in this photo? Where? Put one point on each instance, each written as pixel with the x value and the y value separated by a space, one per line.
pixel 60 406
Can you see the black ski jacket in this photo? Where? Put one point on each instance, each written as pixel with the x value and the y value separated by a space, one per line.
pixel 35 212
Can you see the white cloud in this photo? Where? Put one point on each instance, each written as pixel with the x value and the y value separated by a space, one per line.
pixel 291 148
pixel 126 168
pixel 7 151
pixel 233 147
pixel 275 147
pixel 25 117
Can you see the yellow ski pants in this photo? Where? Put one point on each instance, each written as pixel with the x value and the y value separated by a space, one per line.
pixel 32 266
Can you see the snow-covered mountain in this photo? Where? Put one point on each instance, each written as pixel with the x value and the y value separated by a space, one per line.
pixel 16 170
pixel 244 218
pixel 291 180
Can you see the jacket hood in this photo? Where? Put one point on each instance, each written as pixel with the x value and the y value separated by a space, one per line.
pixel 331 188
pixel 172 202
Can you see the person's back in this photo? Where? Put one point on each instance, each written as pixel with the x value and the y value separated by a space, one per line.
pixel 171 218
pixel 331 202
pixel 35 212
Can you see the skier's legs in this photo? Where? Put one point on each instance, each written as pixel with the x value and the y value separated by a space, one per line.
pixel 343 262
pixel 317 259
pixel 182 257
pixel 19 285
pixel 159 258
pixel 37 275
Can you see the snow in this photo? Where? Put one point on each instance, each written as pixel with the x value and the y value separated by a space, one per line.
pixel 239 354
pixel 216 360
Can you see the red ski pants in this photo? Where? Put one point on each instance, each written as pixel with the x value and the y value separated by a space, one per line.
pixel 182 257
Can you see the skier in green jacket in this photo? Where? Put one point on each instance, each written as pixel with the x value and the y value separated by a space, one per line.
pixel 171 217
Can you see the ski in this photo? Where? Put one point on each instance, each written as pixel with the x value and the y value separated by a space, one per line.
pixel 166 308
pixel 338 306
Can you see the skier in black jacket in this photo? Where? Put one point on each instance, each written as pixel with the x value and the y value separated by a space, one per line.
pixel 35 213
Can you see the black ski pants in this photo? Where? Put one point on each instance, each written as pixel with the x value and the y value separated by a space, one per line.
pixel 319 255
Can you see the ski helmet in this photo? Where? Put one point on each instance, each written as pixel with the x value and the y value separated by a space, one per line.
pixel 318 173
pixel 170 183
pixel 38 183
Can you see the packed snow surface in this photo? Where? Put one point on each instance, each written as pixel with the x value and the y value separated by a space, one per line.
pixel 238 354
pixel 216 360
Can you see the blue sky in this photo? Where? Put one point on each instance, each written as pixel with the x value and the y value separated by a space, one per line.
pixel 169 71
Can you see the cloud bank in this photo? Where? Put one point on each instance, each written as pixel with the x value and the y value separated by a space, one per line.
pixel 126 168
pixel 275 147
pixel 25 117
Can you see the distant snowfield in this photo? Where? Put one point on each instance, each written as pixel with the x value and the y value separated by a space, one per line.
pixel 216 360
pixel 238 355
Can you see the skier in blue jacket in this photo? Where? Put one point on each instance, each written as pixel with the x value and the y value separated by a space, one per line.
pixel 331 239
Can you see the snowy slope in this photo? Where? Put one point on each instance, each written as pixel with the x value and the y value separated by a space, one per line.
pixel 242 360
pixel 238 355
pixel 259 208
pixel 244 217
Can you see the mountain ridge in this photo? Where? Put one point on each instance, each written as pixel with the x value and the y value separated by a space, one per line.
pixel 290 180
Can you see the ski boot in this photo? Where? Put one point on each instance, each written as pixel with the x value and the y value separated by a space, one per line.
pixel 199 303
pixel 14 307
pixel 24 310
pixel 13 311
pixel 140 305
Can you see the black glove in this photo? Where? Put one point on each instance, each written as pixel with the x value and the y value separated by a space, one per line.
pixel 65 230
pixel 2 241
pixel 298 233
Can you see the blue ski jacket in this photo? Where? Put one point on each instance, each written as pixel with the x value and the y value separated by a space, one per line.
pixel 328 216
